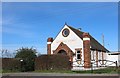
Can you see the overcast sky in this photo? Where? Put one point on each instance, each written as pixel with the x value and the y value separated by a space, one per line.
pixel 28 24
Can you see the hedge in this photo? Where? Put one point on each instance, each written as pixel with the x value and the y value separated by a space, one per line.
pixel 11 64
pixel 52 62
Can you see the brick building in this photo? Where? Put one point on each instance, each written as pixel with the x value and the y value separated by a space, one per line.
pixel 80 46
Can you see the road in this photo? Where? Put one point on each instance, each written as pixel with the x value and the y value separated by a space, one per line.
pixel 57 75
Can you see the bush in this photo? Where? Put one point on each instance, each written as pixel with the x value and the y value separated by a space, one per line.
pixel 27 55
pixel 52 62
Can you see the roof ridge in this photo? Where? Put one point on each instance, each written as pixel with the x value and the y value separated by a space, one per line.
pixel 74 28
pixel 94 43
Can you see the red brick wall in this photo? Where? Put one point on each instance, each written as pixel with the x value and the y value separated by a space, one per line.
pixel 48 48
pixel 97 58
pixel 49 41
pixel 64 47
pixel 87 56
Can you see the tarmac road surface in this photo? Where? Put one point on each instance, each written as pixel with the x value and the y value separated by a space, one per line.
pixel 57 75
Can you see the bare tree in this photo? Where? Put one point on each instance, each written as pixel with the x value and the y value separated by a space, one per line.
pixel 5 53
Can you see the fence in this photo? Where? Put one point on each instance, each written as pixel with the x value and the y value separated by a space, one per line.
pixel 100 64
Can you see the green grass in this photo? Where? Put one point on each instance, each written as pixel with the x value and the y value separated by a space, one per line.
pixel 0 70
pixel 54 71
pixel 10 71
pixel 108 70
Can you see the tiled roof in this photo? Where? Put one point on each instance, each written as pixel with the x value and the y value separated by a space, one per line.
pixel 95 45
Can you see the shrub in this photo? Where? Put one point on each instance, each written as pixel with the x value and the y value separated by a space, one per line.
pixel 10 64
pixel 52 62
pixel 27 55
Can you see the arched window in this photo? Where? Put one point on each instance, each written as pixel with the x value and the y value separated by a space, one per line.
pixel 63 52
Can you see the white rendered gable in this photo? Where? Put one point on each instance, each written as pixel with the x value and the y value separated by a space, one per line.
pixel 72 40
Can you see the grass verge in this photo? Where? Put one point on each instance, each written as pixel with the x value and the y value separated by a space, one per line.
pixel 10 71
pixel 108 70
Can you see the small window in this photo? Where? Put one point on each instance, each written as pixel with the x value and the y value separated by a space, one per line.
pixel 78 51
pixel 78 54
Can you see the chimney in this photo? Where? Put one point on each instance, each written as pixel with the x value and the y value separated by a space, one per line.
pixel 86 47
pixel 49 41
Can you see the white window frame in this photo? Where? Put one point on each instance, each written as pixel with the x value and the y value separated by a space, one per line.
pixel 76 50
